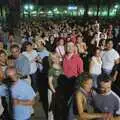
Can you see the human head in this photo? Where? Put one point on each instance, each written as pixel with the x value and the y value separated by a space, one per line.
pixel 15 51
pixel 61 42
pixel 10 61
pixel 104 83
pixel 97 52
pixel 109 44
pixel 79 39
pixel 28 46
pixel 11 72
pixel 70 47
pixel 3 56
pixel 84 80
pixel 40 43
pixel 1 46
pixel 54 58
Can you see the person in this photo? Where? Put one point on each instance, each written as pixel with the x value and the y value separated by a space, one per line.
pixel 105 100
pixel 22 95
pixel 72 63
pixel 81 46
pixel 54 72
pixel 21 63
pixel 43 54
pixel 60 49
pixel 3 60
pixel 95 67
pixel 110 57
pixel 83 98
pixel 32 56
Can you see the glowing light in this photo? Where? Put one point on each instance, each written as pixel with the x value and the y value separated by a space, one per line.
pixel 26 7
pixel 116 6
pixel 72 7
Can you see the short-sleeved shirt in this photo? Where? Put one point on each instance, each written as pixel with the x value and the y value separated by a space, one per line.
pixel 22 91
pixel 108 59
pixel 107 103
pixel 23 65
pixel 55 73
pixel 31 57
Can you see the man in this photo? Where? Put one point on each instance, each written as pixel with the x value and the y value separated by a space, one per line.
pixel 72 67
pixel 21 62
pixel 72 63
pixel 19 93
pixel 110 57
pixel 105 100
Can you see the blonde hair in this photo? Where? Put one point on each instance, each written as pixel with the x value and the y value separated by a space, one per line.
pixel 51 55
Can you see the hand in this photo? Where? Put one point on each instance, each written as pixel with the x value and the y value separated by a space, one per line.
pixel 108 116
pixel 16 102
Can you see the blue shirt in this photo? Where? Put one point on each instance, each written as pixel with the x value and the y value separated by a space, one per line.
pixel 23 65
pixel 22 91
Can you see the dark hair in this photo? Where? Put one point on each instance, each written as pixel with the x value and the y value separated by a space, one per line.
pixel 27 43
pixel 109 40
pixel 14 46
pixel 10 57
pixel 81 78
pixel 2 52
pixel 96 50
pixel 104 78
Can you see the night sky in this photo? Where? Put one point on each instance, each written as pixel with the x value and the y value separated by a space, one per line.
pixel 63 2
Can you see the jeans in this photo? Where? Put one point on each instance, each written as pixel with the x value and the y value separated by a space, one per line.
pixel 34 78
pixel 95 81
pixel 108 72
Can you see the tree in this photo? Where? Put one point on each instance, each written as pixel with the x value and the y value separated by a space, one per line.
pixel 98 7
pixel 86 6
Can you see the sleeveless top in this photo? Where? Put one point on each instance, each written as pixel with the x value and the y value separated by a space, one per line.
pixel 88 101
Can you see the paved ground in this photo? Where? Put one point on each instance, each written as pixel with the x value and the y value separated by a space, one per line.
pixel 39 112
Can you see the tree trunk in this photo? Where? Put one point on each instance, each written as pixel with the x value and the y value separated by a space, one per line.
pixel 98 7
pixel 14 13
pixel 109 6
pixel 86 5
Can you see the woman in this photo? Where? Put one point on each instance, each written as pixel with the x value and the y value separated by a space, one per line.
pixel 84 102
pixel 95 67
pixel 102 44
pixel 81 46
pixel 54 72
pixel 60 49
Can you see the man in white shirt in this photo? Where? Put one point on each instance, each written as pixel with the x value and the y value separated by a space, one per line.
pixel 110 57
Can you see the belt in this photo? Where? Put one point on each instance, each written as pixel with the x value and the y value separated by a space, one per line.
pixel 24 77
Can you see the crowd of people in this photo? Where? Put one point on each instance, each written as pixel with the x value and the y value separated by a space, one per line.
pixel 73 68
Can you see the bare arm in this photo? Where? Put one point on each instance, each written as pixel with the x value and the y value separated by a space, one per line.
pixel 24 102
pixel 84 115
pixel 91 65
pixel 50 79
pixel 117 61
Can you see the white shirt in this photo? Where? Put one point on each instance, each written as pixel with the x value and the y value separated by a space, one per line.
pixel 108 59
pixel 97 66
pixel 31 57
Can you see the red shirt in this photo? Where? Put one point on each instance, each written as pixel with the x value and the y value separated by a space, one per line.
pixel 73 66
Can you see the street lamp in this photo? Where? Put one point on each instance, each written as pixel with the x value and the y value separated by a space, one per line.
pixel 116 6
pixel 28 8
